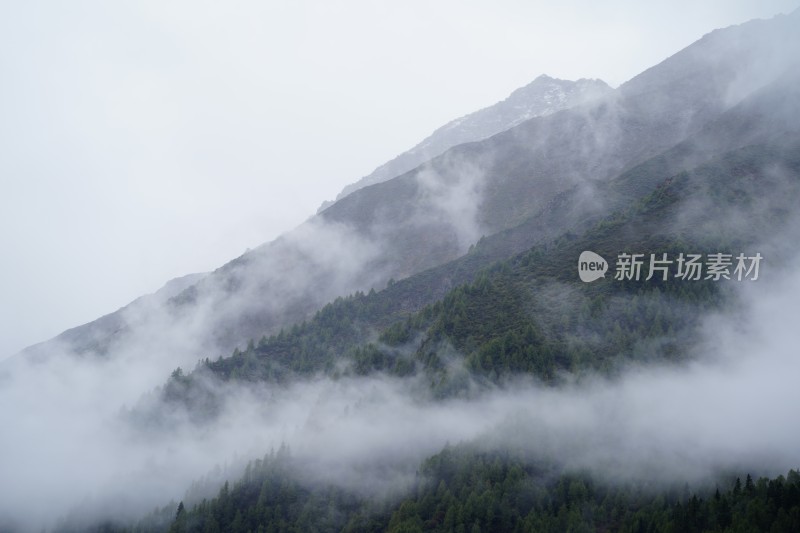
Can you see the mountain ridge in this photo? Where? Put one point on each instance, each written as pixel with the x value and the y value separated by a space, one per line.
pixel 543 96
pixel 432 214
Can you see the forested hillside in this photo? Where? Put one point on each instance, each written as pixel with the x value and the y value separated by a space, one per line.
pixel 466 489
pixel 528 315
pixel 531 314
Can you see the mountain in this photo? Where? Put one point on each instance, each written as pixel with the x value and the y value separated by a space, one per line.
pixel 443 305
pixel 530 314
pixel 525 315
pixel 693 194
pixel 542 176
pixel 543 96
pixel 93 338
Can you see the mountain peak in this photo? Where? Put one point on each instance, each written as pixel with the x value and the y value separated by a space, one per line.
pixel 543 96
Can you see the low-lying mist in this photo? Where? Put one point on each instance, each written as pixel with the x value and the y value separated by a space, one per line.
pixel 65 444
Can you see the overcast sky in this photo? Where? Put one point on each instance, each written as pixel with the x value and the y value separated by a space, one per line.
pixel 140 141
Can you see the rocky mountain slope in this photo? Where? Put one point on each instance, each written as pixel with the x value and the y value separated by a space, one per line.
pixel 543 175
pixel 543 96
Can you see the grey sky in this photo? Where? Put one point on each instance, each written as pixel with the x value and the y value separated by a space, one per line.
pixel 140 141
